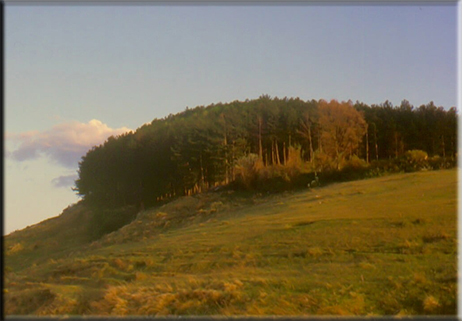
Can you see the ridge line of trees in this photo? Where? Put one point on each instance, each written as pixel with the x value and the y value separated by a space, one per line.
pixel 206 147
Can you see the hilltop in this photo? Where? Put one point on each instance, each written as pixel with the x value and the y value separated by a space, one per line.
pixel 381 246
pixel 261 143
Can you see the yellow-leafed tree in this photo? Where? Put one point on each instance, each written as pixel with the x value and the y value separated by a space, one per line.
pixel 342 129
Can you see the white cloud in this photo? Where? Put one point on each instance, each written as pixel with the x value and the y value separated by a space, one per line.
pixel 64 143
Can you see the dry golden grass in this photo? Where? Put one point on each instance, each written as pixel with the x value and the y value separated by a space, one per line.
pixel 385 246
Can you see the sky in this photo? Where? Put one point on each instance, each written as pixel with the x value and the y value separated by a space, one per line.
pixel 77 74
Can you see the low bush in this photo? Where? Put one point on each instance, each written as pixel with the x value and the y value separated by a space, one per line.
pixel 437 162
pixel 105 221
pixel 247 168
pixel 411 161
pixel 352 169
pixel 253 175
pixel 414 160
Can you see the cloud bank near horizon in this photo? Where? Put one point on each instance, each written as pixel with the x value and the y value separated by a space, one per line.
pixel 64 143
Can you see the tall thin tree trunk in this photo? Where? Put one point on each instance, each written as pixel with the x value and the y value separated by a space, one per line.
pixel 311 143
pixel 202 169
pixel 278 159
pixel 367 144
pixel 226 152
pixel 284 153
pixel 453 146
pixel 273 156
pixel 442 142
pixel 376 145
pixel 260 147
pixel 233 175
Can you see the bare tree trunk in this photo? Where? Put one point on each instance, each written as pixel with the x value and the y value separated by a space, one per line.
pixel 225 142
pixel 284 153
pixel 202 169
pixel 367 144
pixel 278 159
pixel 311 143
pixel 442 142
pixel 233 175
pixel 273 154
pixel 376 145
pixel 260 147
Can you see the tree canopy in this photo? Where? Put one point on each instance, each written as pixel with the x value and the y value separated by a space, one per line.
pixel 342 129
pixel 203 147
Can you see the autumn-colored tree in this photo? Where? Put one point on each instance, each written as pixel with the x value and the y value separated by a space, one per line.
pixel 203 147
pixel 342 129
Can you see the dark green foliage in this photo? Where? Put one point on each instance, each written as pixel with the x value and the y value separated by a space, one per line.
pixel 437 162
pixel 247 168
pixel 205 147
pixel 415 160
pixel 105 221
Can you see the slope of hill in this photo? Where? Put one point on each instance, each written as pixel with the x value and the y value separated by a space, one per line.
pixel 381 246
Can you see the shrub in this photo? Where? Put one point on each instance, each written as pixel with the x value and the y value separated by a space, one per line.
pixel 437 162
pixel 294 164
pixel 275 183
pixel 105 221
pixel 323 162
pixel 410 162
pixel 247 168
pixel 415 160
pixel 353 162
pixel 352 169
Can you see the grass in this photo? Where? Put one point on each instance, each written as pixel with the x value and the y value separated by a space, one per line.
pixel 383 246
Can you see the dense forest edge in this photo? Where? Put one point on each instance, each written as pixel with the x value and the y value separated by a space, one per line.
pixel 265 145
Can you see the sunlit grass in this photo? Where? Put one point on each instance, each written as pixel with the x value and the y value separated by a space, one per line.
pixel 384 246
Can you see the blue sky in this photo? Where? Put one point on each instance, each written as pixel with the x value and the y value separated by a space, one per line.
pixel 76 74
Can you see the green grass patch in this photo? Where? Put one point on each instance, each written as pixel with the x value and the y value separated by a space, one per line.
pixel 382 246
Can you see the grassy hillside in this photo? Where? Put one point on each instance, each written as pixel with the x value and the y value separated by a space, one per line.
pixel 382 246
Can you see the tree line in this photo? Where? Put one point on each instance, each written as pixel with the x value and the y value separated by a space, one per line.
pixel 205 147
